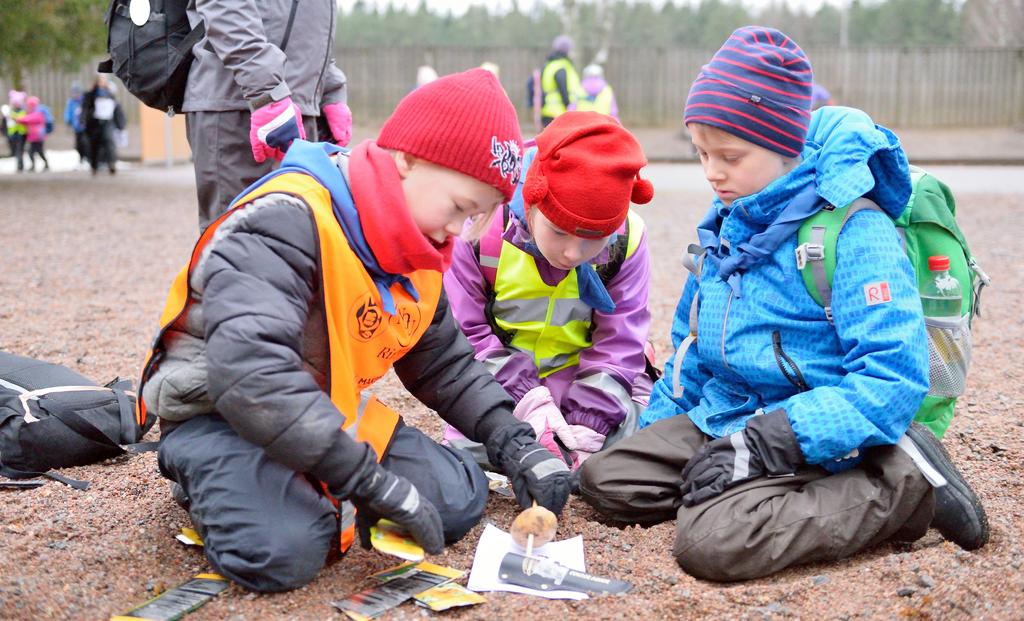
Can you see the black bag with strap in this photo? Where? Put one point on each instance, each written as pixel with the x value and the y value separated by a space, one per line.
pixel 52 417
pixel 150 45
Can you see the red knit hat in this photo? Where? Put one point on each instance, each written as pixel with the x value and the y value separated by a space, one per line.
pixel 586 172
pixel 464 122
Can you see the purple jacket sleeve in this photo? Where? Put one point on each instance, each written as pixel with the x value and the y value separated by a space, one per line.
pixel 601 392
pixel 466 288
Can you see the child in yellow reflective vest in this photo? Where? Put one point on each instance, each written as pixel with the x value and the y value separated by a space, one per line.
pixel 554 297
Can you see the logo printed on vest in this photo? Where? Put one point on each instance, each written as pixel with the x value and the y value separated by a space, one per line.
pixel 407 318
pixel 368 318
pixel 877 293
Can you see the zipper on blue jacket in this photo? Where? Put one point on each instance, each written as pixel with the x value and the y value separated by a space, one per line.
pixel 782 359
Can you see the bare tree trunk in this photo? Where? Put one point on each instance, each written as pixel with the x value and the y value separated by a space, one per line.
pixel 571 26
pixel 994 22
pixel 605 22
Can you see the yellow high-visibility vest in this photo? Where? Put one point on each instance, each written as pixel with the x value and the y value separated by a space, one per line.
pixel 553 104
pixel 548 321
pixel 602 102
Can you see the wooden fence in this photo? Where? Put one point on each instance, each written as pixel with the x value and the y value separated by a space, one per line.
pixel 899 87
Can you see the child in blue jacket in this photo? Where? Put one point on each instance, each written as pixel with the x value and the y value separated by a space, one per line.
pixel 778 435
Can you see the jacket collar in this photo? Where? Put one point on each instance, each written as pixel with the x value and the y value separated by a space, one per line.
pixel 314 159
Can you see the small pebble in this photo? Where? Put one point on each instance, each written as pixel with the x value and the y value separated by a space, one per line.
pixel 906 591
pixel 925 580
pixel 819 580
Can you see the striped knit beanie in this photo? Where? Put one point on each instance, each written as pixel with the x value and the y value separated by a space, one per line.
pixel 756 87
pixel 464 122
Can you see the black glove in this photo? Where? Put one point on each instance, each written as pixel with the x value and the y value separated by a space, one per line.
pixel 766 446
pixel 535 473
pixel 384 494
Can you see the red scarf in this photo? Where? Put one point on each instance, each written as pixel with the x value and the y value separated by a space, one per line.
pixel 395 239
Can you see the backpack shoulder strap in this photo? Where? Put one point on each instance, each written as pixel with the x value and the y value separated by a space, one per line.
pixel 693 260
pixel 488 247
pixel 817 240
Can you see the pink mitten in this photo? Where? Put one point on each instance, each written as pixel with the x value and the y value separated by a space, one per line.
pixel 588 442
pixel 273 127
pixel 537 407
pixel 339 119
pixel 450 434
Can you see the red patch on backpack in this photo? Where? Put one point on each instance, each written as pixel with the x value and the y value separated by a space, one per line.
pixel 877 293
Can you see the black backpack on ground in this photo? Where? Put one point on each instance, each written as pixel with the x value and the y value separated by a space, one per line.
pixel 152 60
pixel 53 417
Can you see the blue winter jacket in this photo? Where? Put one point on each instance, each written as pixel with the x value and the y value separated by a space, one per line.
pixel 861 380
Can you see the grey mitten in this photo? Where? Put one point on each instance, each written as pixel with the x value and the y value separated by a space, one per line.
pixel 535 473
pixel 384 494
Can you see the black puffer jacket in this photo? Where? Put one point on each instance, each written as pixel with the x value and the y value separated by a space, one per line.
pixel 266 350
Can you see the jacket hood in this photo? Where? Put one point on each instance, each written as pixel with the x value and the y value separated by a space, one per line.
pixel 857 158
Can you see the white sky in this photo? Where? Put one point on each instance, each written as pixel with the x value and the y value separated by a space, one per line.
pixel 458 7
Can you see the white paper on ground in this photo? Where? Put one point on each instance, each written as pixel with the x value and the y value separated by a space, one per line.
pixel 495 543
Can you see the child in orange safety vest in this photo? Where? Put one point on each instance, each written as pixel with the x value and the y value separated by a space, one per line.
pixel 320 278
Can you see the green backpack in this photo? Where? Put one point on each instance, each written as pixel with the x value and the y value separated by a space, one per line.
pixel 927 227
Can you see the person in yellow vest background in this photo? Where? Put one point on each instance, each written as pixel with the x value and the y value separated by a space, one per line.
pixel 320 278
pixel 595 94
pixel 559 82
pixel 553 297
pixel 16 133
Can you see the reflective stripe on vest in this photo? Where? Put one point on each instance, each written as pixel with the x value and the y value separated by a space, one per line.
pixel 549 322
pixel 371 418
pixel 363 340
pixel 553 104
pixel 602 102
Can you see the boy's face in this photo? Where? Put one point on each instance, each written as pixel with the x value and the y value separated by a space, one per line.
pixel 440 199
pixel 733 166
pixel 562 250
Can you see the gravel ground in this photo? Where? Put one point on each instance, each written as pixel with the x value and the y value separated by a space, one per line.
pixel 83 278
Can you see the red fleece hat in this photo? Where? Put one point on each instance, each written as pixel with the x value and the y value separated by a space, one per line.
pixel 464 122
pixel 586 172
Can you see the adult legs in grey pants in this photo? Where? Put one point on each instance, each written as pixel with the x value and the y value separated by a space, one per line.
pixel 269 528
pixel 222 156
pixel 764 525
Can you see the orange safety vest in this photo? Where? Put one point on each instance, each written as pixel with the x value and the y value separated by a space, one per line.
pixel 363 339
